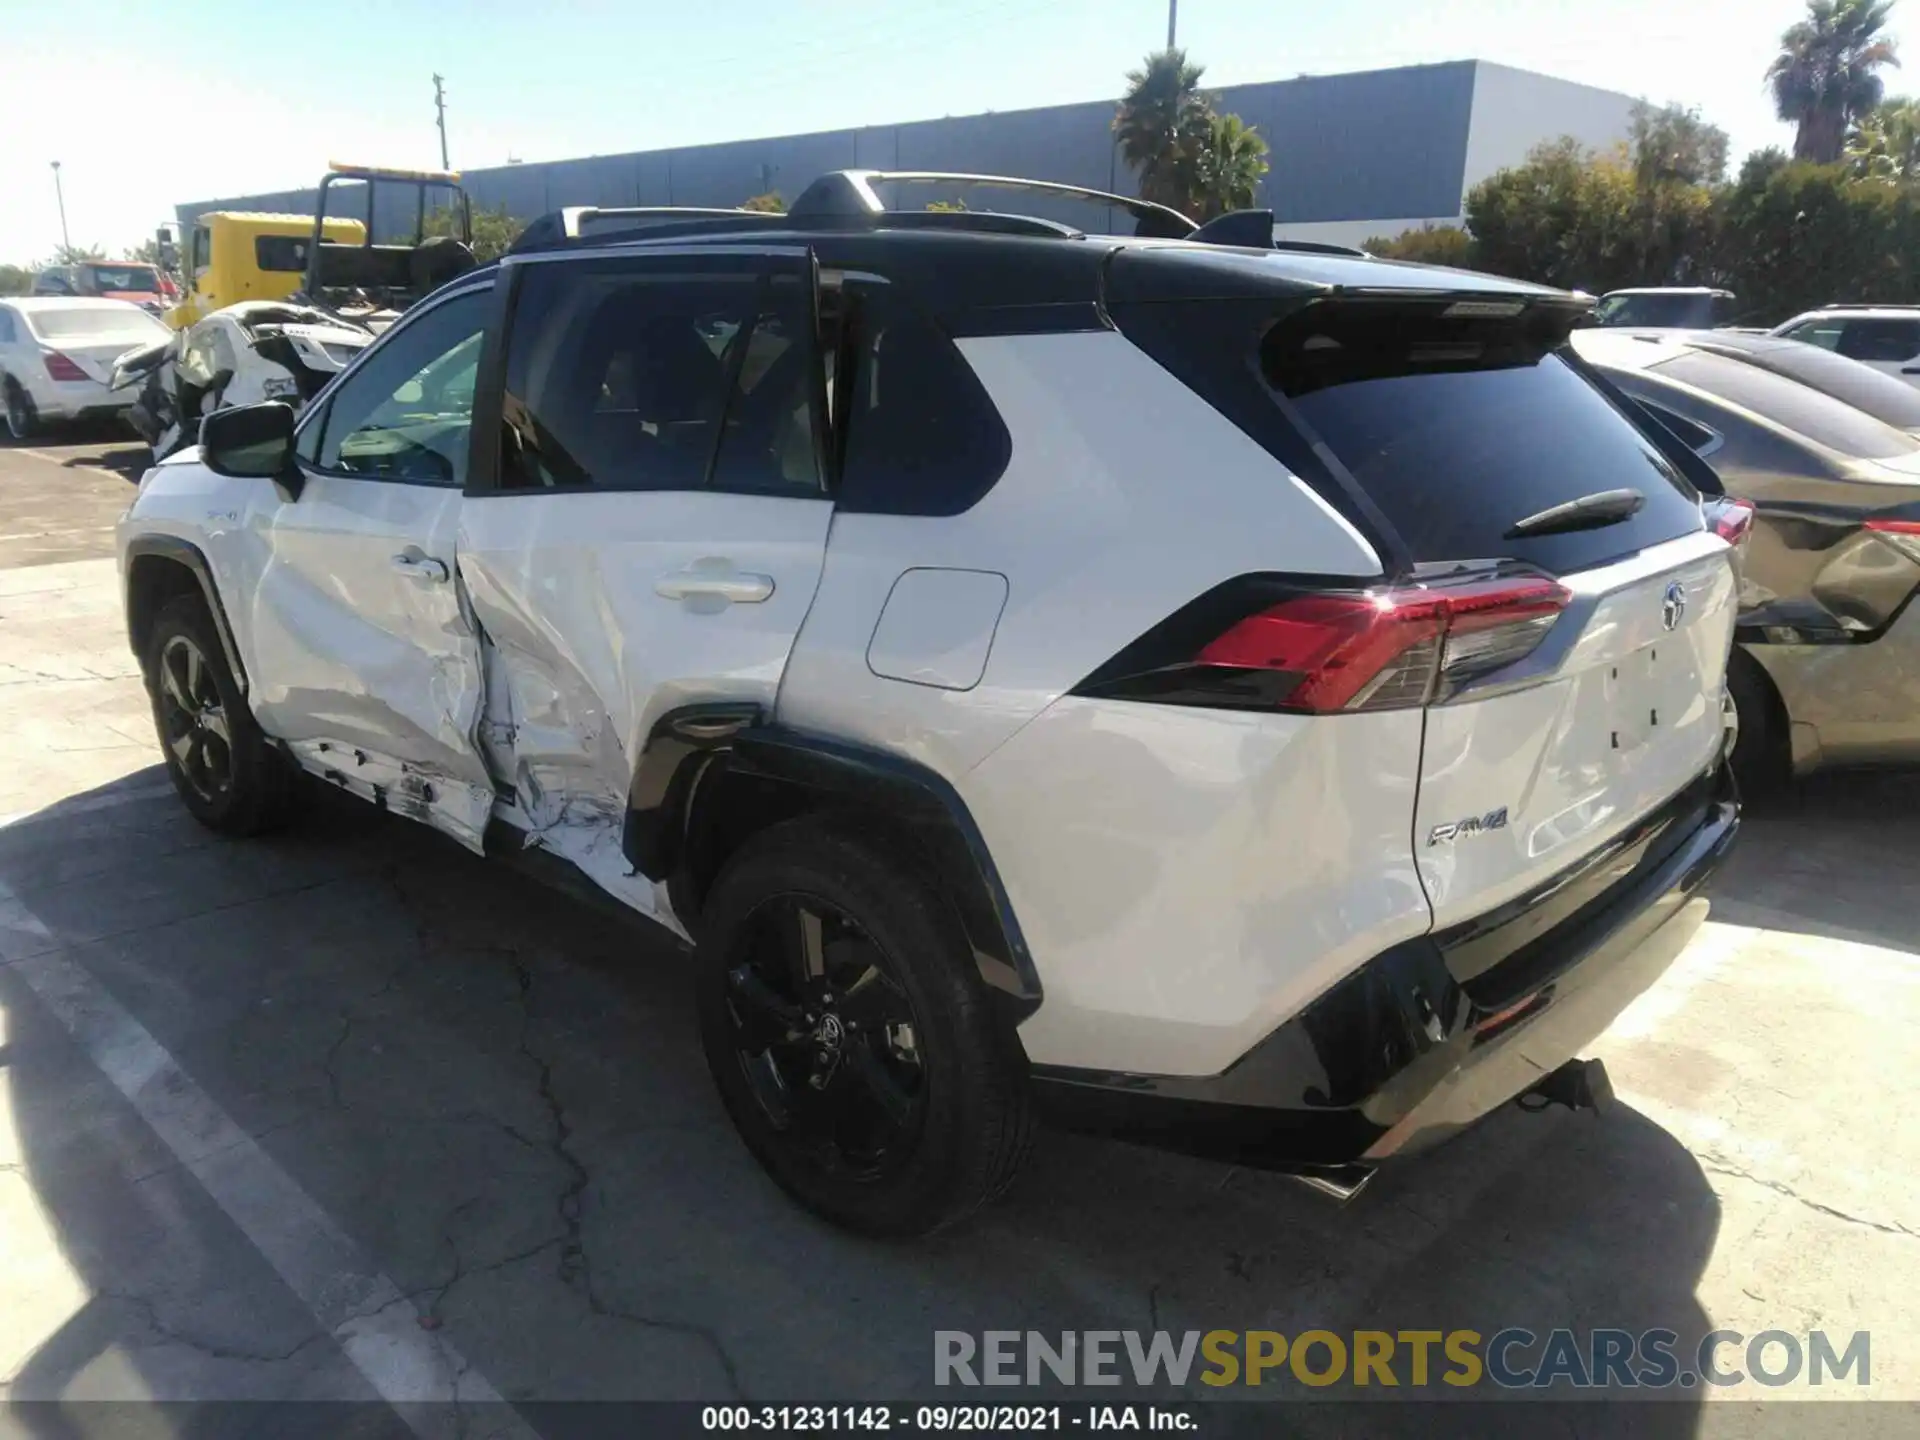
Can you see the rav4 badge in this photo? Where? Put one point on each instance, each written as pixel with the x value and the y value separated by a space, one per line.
pixel 1472 825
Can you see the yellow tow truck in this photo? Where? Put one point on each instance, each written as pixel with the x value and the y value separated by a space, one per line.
pixel 235 255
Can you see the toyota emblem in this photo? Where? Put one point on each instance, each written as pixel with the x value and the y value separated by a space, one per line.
pixel 1673 605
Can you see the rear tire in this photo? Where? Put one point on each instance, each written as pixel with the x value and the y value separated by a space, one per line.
pixel 1763 753
pixel 888 1094
pixel 219 761
pixel 23 421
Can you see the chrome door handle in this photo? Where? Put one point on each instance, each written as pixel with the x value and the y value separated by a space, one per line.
pixel 424 568
pixel 707 578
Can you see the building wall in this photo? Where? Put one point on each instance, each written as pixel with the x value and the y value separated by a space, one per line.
pixel 1351 155
pixel 1514 110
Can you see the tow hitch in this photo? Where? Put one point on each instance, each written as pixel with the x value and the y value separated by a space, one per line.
pixel 1578 1085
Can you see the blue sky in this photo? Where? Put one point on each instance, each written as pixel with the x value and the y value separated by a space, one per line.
pixel 229 97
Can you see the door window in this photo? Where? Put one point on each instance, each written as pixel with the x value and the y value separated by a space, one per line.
pixel 626 380
pixel 6 327
pixel 407 411
pixel 1885 342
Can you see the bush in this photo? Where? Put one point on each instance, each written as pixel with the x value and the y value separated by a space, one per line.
pixel 1428 245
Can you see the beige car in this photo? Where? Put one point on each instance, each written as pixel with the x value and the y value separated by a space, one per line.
pixel 1826 667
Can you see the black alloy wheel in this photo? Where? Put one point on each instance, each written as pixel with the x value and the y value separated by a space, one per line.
pixel 825 1037
pixel 193 718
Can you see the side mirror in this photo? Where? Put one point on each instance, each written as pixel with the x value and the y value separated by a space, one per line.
pixel 253 442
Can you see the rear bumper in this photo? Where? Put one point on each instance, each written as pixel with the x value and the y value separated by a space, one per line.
pixel 76 399
pixel 1430 1035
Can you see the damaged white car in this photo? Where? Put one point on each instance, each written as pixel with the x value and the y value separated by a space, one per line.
pixel 288 349
pixel 256 350
pixel 1259 703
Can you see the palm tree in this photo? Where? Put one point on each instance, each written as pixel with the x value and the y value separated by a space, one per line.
pixel 1825 77
pixel 1161 125
pixel 1228 170
pixel 1886 143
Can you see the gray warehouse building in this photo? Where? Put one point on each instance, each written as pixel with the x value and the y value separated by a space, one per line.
pixel 1369 153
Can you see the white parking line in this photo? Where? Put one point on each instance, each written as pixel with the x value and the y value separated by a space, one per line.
pixel 37 455
pixel 420 1373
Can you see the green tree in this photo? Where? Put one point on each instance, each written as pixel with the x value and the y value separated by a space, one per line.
pixel 1671 143
pixel 1885 145
pixel 1826 76
pixel 1563 217
pixel 147 252
pixel 1163 123
pixel 78 254
pixel 17 279
pixel 493 230
pixel 1427 245
pixel 771 203
pixel 1228 168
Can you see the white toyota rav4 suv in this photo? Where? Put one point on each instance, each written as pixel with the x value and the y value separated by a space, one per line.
pixel 1262 703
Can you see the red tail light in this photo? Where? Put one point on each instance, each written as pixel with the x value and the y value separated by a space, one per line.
pixel 1903 535
pixel 59 367
pixel 1345 650
pixel 1730 519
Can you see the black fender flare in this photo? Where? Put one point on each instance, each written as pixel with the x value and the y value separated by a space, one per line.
pixel 685 747
pixel 190 557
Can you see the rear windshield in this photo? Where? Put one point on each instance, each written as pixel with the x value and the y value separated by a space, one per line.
pixel 1890 401
pixel 124 277
pixel 1820 418
pixel 1459 429
pixel 1680 311
pixel 96 321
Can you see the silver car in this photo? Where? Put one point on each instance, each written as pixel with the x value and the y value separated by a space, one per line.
pixel 1826 670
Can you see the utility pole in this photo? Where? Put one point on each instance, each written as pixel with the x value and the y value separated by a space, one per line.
pixel 1173 13
pixel 440 111
pixel 66 242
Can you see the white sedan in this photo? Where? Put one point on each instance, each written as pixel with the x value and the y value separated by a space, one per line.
pixel 57 354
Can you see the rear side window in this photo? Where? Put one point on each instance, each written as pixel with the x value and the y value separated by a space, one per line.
pixel 922 436
pixel 1824 333
pixel 1820 418
pixel 1457 430
pixel 620 379
pixel 285 254
pixel 1696 437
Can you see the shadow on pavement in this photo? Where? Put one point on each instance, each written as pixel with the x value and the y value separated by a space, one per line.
pixel 1801 864
pixel 499 1095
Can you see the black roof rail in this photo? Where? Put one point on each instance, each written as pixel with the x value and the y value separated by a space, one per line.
pixel 849 195
pixel 571 222
pixel 1868 305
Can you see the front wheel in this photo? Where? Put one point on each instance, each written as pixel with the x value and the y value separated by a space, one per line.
pixel 853 1042
pixel 219 761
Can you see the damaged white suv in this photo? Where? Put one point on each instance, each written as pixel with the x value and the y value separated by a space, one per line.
pixel 1266 704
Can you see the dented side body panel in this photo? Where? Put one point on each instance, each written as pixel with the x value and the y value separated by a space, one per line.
pixel 360 639
pixel 604 611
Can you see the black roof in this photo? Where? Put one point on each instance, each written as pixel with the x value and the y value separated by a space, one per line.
pixel 965 262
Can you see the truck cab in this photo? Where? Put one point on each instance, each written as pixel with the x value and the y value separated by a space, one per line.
pixel 236 255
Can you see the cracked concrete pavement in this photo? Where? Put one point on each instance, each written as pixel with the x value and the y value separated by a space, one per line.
pixel 496 1096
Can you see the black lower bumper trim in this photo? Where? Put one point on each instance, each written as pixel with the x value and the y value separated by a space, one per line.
pixel 1358 1068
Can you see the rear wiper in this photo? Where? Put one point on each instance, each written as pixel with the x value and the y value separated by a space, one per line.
pixel 1589 512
